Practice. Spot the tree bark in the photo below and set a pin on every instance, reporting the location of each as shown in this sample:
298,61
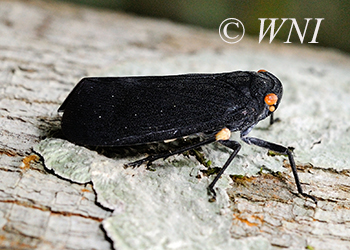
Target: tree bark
46,47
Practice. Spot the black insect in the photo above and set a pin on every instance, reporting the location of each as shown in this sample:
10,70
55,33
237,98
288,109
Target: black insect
122,111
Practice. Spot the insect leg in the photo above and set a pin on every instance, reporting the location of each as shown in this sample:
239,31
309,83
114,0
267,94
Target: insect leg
165,155
283,150
271,119
235,146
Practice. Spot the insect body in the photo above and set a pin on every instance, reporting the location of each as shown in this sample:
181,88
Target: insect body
123,111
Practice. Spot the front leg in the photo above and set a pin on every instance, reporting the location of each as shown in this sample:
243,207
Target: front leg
235,146
282,150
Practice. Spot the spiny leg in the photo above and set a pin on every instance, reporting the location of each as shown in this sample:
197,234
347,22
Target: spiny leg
282,150
222,137
165,155
235,146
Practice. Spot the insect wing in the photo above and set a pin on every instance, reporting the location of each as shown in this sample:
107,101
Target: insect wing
115,111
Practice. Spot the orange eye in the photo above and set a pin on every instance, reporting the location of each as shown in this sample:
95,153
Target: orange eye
262,70
271,99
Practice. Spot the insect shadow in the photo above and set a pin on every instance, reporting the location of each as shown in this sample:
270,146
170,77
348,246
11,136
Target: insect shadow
50,127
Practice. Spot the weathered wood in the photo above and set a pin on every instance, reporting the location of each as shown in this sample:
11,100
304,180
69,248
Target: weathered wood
46,47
